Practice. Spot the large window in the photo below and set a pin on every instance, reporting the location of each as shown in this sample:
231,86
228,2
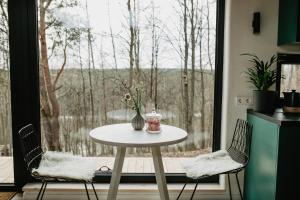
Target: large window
6,160
92,51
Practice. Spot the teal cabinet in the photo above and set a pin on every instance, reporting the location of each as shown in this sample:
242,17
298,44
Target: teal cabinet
289,22
273,169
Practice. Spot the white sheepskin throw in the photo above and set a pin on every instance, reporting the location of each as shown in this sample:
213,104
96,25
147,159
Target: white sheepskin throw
66,165
210,164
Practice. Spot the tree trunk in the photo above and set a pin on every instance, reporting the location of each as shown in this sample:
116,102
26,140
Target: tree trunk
90,80
202,107
136,40
112,37
210,63
208,35
156,80
49,103
193,57
185,70
83,85
152,53
104,105
131,43
202,82
90,62
290,77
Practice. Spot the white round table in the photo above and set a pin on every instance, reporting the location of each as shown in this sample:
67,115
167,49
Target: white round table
123,135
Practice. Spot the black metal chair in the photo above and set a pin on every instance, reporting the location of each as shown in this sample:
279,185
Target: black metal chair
33,155
239,151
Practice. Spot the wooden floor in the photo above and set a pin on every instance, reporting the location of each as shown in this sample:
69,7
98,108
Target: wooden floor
131,165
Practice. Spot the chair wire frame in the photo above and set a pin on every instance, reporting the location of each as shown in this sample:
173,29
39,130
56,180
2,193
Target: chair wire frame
32,153
239,151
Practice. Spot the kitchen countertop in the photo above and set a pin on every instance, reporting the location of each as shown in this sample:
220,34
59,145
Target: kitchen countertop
278,117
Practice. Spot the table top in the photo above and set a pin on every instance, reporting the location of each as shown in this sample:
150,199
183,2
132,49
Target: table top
124,135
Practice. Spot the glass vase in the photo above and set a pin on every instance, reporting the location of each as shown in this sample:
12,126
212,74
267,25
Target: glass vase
138,121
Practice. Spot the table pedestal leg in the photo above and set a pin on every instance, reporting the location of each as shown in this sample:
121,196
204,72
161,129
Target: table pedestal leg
116,174
159,173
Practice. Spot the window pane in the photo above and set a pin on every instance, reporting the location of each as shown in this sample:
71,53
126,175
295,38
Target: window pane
6,161
291,80
92,51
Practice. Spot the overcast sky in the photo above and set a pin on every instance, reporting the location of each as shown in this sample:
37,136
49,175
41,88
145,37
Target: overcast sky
165,11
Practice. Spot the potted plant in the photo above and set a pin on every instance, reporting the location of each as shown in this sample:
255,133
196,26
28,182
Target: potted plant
262,76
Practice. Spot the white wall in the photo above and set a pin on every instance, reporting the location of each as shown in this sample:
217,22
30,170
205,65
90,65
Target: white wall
240,39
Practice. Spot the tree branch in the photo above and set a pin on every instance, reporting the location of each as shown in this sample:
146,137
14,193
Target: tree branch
62,67
3,11
48,4
50,24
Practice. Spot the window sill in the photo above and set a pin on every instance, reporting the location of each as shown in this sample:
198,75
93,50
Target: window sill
126,187
74,191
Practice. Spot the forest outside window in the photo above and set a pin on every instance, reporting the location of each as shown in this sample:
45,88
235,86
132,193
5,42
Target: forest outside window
91,50
6,149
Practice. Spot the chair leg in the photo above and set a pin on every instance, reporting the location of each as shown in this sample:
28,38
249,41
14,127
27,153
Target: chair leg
42,187
194,189
87,193
44,190
181,190
94,191
229,186
238,182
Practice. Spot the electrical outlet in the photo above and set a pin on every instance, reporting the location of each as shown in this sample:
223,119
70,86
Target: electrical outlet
243,101
248,101
239,101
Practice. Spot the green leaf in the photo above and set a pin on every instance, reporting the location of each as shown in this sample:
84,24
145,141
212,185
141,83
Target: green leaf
260,74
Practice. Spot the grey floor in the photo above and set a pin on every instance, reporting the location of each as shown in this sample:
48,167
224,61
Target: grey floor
18,197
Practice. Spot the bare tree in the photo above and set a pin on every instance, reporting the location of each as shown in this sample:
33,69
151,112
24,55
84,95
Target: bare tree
49,104
134,40
131,42
137,41
4,49
185,67
112,37
104,105
209,31
194,31
83,84
154,23
60,39
156,79
202,86
156,75
208,34
5,111
91,64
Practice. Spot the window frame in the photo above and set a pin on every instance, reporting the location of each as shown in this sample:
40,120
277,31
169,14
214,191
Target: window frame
25,102
24,80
